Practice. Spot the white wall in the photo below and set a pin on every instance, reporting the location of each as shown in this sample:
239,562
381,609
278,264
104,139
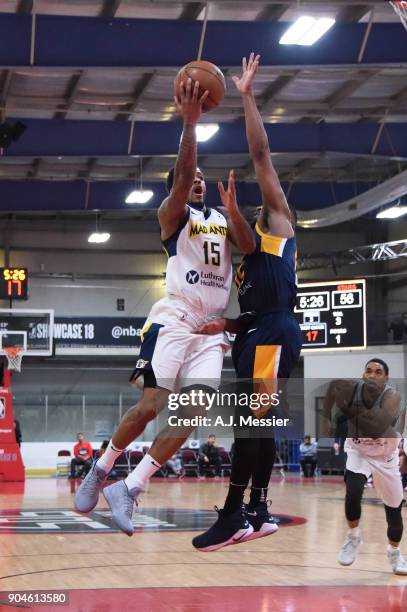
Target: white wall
43,455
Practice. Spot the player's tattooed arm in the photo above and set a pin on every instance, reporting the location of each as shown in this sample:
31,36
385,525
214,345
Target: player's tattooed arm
274,199
173,208
239,231
325,425
381,422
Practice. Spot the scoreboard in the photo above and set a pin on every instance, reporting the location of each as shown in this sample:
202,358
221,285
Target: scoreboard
13,284
332,315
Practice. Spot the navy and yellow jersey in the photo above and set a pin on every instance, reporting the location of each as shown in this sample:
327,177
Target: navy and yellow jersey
266,279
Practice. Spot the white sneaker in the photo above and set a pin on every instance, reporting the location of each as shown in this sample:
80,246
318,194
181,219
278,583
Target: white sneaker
347,554
396,560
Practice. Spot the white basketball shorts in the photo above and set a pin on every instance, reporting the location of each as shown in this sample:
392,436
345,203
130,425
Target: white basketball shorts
177,357
385,472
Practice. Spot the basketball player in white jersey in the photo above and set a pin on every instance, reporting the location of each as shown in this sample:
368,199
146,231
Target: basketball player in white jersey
372,409
199,275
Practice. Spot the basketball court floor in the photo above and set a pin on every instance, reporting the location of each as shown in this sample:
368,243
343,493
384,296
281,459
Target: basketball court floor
47,546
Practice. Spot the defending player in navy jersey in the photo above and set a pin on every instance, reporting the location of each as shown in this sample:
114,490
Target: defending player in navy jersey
268,341
199,275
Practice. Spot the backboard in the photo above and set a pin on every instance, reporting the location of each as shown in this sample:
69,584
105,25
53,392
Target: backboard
33,327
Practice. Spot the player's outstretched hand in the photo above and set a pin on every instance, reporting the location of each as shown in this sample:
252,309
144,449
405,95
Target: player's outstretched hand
249,69
211,327
188,102
229,197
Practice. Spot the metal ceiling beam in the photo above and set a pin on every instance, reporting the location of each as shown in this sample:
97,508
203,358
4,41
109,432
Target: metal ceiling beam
353,12
109,8
90,166
72,90
301,167
191,11
349,87
315,108
35,168
276,88
292,3
24,7
372,253
271,12
139,89
5,86
400,97
346,90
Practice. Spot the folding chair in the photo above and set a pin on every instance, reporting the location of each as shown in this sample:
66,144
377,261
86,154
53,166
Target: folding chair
189,461
64,466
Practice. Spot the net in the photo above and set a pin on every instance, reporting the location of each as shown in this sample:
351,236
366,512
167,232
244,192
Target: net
401,9
14,356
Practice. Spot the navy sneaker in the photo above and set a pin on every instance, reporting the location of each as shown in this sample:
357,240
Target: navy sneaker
261,520
228,529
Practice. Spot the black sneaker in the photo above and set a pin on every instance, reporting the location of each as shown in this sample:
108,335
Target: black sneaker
261,520
228,529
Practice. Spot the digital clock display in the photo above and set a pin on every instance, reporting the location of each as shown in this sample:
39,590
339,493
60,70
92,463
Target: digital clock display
332,315
13,284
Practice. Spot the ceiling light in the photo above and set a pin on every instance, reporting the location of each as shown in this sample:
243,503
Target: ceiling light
99,237
306,31
206,131
139,196
392,213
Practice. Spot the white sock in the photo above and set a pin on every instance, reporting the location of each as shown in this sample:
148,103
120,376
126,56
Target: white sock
354,531
142,473
107,460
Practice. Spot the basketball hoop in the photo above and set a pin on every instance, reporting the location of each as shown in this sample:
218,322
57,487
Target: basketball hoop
400,6
14,356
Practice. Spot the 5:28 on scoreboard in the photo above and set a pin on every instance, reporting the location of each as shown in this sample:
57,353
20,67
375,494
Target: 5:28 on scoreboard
332,315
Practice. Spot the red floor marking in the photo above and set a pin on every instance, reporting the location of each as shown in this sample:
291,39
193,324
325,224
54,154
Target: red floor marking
237,599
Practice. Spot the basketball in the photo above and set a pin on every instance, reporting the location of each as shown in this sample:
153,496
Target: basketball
210,78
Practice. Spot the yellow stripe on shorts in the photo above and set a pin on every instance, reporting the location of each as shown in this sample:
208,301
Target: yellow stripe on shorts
265,371
145,330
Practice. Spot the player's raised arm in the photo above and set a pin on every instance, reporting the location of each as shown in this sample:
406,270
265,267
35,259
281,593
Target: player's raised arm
173,208
269,183
239,231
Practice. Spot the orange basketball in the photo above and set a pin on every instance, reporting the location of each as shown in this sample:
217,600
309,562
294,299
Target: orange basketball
210,78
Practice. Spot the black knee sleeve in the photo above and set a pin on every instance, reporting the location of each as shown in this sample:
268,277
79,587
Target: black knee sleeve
355,484
394,523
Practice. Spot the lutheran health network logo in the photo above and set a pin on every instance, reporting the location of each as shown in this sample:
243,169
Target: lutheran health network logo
208,279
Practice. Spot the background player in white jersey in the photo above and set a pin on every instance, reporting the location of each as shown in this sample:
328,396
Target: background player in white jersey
199,274
372,409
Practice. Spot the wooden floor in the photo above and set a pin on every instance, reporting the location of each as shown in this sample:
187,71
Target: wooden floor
302,555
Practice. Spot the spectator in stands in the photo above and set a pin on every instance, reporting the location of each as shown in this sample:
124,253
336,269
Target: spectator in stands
398,327
209,457
102,448
17,431
83,456
175,464
308,460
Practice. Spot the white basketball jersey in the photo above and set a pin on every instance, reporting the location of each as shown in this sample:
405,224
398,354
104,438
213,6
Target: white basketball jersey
199,269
